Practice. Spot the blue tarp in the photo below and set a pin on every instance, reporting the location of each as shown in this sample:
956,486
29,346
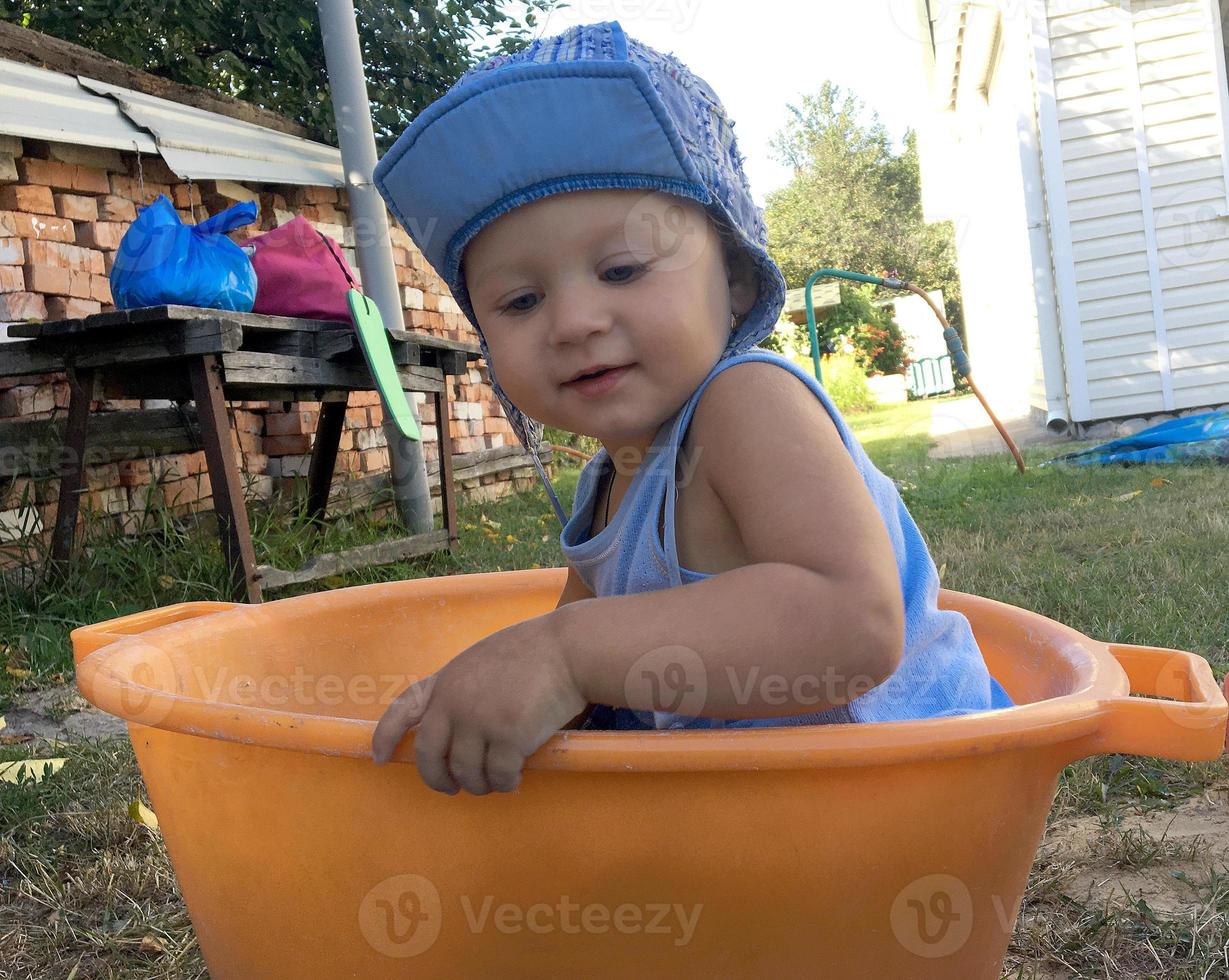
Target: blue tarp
1194,438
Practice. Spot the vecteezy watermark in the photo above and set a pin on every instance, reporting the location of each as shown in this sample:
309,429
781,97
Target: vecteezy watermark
661,230
933,916
154,679
670,678
402,916
43,458
147,694
421,228
303,689
832,687
1190,225
679,14
629,460
674,679
909,18
920,23
671,919
1173,686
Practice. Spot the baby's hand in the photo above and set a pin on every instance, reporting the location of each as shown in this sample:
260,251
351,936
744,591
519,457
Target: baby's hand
487,710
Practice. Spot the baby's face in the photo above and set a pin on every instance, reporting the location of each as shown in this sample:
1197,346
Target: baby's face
601,277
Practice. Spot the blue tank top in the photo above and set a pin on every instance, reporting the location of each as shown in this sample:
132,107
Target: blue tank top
941,670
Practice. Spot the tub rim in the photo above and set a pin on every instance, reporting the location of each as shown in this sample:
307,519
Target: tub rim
1089,719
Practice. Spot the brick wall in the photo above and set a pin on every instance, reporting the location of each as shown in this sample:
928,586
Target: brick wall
63,211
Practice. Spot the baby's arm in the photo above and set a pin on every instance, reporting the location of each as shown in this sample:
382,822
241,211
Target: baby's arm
574,589
814,620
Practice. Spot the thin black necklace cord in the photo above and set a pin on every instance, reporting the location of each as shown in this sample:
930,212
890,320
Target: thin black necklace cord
609,494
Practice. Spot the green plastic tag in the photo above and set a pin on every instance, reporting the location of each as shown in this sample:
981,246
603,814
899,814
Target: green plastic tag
373,338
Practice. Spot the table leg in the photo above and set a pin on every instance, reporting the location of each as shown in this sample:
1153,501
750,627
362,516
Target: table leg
448,501
72,464
228,505
324,458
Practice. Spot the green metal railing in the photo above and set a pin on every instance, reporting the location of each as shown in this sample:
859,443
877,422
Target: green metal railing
960,360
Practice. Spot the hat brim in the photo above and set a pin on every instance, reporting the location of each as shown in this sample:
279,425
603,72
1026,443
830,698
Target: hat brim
523,133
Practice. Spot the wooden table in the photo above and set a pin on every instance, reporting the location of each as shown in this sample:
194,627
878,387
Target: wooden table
208,356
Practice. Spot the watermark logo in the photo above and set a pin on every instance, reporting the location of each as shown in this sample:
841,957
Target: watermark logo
670,679
401,916
752,684
420,228
909,19
145,697
304,690
1192,224
574,918
629,460
661,230
1173,687
933,916
678,15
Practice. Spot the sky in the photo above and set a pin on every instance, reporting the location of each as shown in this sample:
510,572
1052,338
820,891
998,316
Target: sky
761,55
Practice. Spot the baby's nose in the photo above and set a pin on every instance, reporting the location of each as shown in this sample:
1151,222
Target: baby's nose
577,314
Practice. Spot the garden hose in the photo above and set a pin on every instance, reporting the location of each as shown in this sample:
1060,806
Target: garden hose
960,359
568,450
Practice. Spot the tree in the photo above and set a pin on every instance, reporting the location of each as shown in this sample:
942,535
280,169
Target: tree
854,203
271,53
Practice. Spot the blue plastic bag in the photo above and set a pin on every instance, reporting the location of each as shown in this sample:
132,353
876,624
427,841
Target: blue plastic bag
1195,438
161,261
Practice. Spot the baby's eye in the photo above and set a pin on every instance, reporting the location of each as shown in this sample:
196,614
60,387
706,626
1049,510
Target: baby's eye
619,273
512,306
625,272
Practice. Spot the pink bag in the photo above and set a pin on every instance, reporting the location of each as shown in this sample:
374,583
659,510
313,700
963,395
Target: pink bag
300,272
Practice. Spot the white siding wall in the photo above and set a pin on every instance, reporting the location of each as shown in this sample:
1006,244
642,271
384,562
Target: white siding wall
1135,89
972,175
1179,50
1115,337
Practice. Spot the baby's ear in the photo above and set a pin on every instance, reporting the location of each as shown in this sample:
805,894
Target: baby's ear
744,279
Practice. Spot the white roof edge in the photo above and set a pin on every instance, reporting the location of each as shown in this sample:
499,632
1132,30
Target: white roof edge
48,105
41,104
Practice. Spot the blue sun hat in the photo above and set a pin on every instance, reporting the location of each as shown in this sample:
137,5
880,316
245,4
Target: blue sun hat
588,108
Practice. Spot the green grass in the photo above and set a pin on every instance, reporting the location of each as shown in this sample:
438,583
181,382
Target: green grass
1147,570
896,436
88,892
181,561
1058,540
88,889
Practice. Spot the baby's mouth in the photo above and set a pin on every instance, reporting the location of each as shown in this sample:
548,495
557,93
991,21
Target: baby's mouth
596,374
598,384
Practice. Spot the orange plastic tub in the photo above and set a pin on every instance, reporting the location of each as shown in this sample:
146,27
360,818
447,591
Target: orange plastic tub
896,850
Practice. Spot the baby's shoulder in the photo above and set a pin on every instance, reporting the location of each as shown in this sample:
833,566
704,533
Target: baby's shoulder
757,398
758,414
765,444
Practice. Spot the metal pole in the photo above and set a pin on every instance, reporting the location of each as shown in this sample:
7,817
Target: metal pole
352,113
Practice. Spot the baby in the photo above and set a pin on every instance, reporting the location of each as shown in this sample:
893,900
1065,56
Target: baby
734,558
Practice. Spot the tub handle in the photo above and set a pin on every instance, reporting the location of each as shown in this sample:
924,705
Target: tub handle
1189,728
87,639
